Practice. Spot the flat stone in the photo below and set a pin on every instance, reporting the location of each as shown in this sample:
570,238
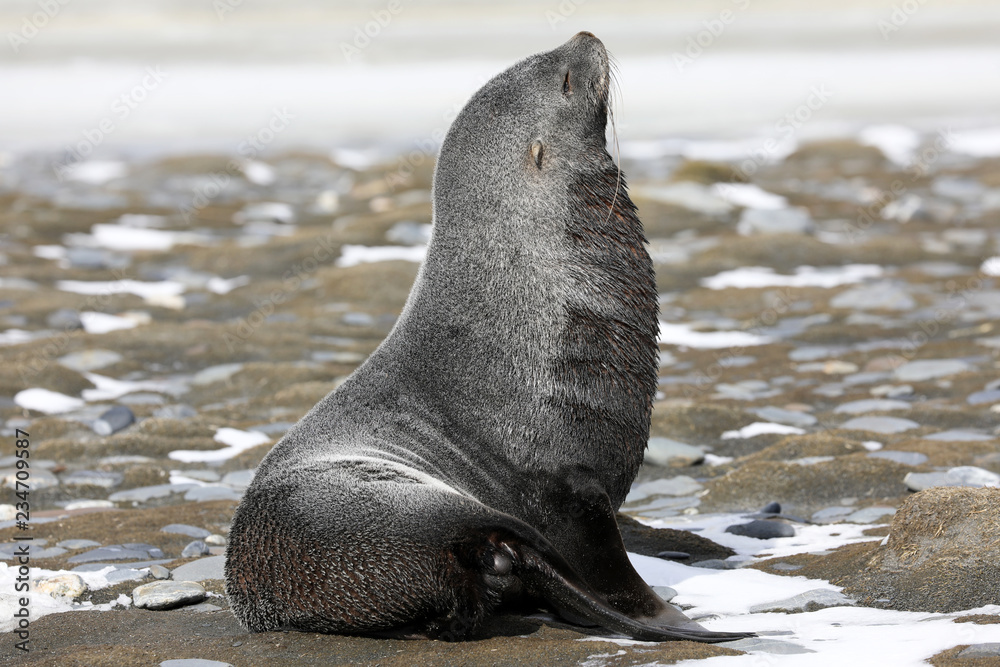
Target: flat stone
666,593
870,514
876,296
678,486
880,424
239,479
194,662
929,369
195,549
961,476
689,195
763,645
179,411
783,416
666,452
78,544
63,585
211,492
871,405
113,420
144,493
762,222
991,650
125,574
40,479
114,552
906,458
215,374
89,360
818,598
216,540
212,567
184,529
831,514
159,572
958,435
762,529
162,595
100,478
65,319
980,397
891,390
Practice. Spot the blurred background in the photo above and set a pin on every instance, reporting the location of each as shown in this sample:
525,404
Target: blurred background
386,74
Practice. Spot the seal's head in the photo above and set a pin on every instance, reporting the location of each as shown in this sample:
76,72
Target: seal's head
536,125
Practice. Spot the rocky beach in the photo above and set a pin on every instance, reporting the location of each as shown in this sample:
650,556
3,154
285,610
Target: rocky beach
824,454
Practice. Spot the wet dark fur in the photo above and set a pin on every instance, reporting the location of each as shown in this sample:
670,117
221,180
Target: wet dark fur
476,460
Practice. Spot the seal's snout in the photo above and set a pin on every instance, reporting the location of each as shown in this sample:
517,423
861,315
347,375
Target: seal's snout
588,57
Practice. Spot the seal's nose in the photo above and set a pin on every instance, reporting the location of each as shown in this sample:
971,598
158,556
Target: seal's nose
584,34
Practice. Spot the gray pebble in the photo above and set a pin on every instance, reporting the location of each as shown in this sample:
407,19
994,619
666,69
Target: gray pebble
980,397
159,572
666,593
831,514
194,549
764,645
211,492
179,411
877,296
666,452
78,544
355,319
162,595
782,416
958,435
115,552
871,405
818,598
960,476
870,514
716,564
212,567
89,360
762,529
103,479
65,319
880,424
215,374
125,574
757,222
771,508
991,650
929,369
239,479
184,529
906,458
216,541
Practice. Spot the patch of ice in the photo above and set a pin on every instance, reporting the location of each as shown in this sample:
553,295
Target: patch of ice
352,255
897,142
98,323
749,195
984,142
991,267
259,173
359,159
49,402
146,290
760,428
225,286
95,172
19,336
126,238
685,335
108,389
236,441
804,276
49,251
43,605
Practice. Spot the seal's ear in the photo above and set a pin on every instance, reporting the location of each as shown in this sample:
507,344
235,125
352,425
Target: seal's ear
536,152
567,87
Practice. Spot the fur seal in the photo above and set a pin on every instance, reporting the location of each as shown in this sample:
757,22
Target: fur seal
475,461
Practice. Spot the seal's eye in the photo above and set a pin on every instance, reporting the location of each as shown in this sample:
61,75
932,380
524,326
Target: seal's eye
567,87
536,152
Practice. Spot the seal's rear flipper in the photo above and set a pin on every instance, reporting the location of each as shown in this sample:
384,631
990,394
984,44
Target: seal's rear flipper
548,576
